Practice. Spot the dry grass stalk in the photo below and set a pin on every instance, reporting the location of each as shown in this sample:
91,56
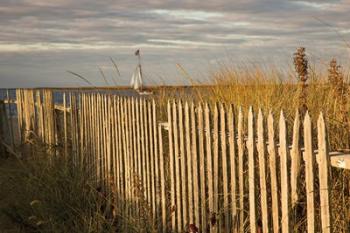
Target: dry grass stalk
336,80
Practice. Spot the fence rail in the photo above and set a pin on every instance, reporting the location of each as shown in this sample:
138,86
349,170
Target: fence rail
203,169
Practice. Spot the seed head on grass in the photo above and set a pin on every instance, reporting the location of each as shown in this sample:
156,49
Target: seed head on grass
301,64
335,76
301,67
339,90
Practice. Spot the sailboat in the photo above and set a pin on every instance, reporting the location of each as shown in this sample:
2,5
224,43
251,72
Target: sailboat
136,79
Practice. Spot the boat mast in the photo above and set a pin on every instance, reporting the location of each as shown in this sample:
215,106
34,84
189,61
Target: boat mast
139,60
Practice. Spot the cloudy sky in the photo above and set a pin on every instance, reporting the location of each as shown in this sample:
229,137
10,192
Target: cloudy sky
40,40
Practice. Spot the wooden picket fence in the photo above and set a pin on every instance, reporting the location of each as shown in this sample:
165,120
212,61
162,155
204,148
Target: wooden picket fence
206,168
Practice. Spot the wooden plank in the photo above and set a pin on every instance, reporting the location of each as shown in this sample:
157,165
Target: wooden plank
202,170
98,134
309,174
241,160
120,152
91,134
162,181
72,126
39,111
195,164
125,150
262,172
147,154
65,124
210,174
152,159
285,202
108,156
82,127
156,165
251,171
11,120
138,147
143,149
114,150
131,156
189,165
19,114
273,173
104,143
215,211
340,160
323,169
171,167
138,140
136,158
128,154
116,154
183,165
94,139
233,169
295,161
177,168
225,180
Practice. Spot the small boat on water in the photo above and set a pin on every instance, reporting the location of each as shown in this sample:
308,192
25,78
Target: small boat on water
137,79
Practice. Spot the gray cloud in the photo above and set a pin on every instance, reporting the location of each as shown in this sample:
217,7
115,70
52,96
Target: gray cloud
40,40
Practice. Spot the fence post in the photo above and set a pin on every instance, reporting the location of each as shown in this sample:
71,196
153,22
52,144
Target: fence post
171,166
233,172
224,166
262,172
183,166
177,168
323,168
213,227
284,174
202,170
195,167
273,173
251,171
162,180
189,164
241,160
295,160
309,174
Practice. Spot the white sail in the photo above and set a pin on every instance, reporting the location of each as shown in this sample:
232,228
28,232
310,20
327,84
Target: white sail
136,79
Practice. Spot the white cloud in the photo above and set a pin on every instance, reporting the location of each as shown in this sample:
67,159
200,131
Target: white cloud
187,14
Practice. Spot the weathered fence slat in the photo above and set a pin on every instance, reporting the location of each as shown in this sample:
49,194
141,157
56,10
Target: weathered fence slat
323,169
240,145
194,134
162,180
189,164
225,179
171,166
202,170
285,221
309,158
177,168
262,172
273,173
152,157
183,161
215,214
295,161
213,227
251,171
233,172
